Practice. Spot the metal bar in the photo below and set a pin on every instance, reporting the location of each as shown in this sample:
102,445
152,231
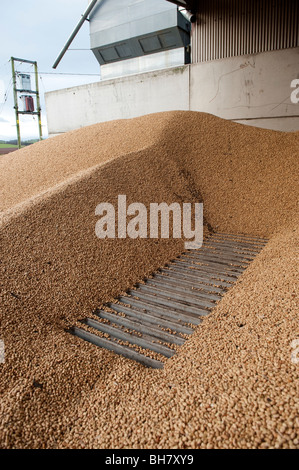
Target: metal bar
205,268
218,254
218,258
152,307
196,277
243,243
228,246
29,92
237,244
229,275
16,100
234,246
38,102
215,247
241,237
153,317
29,112
23,60
75,32
191,299
117,348
254,242
212,263
173,290
177,286
185,307
130,338
177,279
141,327
201,274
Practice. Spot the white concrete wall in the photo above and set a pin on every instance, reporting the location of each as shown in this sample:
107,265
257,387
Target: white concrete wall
120,98
253,89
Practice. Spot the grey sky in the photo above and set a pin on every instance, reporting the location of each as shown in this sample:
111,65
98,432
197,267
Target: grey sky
37,30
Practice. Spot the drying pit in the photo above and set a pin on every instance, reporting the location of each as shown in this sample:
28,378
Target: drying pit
233,383
159,315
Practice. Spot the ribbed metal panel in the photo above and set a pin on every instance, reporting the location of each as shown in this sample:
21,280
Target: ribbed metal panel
227,28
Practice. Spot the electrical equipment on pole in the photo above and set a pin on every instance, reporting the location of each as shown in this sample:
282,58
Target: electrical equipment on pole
28,96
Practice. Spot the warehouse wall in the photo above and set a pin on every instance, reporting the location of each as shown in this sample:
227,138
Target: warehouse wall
253,89
119,98
236,27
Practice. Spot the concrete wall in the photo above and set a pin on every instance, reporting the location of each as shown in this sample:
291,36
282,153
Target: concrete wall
119,98
253,89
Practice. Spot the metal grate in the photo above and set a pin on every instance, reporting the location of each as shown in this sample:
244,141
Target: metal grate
159,315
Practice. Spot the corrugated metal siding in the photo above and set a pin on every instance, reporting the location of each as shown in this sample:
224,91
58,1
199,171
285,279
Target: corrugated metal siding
227,28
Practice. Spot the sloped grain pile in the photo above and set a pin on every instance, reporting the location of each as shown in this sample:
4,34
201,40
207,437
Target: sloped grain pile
233,384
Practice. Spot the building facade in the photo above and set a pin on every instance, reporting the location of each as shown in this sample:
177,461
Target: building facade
237,59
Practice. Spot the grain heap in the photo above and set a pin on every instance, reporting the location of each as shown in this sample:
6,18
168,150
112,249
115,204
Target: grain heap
233,384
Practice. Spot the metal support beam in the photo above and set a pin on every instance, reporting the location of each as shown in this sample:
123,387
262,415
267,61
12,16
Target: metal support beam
15,93
38,101
75,32
34,113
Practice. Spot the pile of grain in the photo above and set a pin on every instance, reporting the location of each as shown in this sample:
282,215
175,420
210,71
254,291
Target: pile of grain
233,384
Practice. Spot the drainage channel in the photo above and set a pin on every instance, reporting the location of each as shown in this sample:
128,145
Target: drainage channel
153,319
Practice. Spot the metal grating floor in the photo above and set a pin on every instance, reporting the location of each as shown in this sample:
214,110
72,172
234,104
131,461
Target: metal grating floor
159,315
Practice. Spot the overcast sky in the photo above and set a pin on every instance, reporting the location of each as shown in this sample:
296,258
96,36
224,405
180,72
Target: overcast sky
37,30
